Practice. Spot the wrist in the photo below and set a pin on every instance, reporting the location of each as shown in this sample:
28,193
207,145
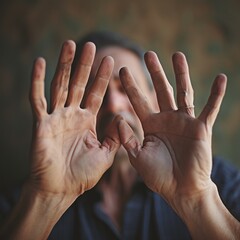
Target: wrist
47,202
189,205
35,214
206,216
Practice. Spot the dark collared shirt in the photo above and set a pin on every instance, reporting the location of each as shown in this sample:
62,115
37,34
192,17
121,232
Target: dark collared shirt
146,215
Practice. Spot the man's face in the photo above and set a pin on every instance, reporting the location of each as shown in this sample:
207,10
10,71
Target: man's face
115,100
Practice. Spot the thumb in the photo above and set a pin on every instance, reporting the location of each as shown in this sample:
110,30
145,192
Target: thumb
129,140
112,139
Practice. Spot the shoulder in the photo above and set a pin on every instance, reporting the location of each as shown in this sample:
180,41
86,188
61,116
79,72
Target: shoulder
8,198
227,178
223,171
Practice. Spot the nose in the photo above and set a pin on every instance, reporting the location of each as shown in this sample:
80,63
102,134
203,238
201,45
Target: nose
116,101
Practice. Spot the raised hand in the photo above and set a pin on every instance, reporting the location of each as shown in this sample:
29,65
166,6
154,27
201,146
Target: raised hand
67,158
175,159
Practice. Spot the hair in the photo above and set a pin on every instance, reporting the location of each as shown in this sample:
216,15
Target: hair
104,39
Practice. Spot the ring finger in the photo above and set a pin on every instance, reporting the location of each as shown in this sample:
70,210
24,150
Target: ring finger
183,83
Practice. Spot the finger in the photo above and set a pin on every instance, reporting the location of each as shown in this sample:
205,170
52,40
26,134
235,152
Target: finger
81,75
129,140
136,97
36,95
111,142
59,86
183,82
163,88
211,109
96,94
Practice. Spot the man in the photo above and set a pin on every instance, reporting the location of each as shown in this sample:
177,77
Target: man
174,160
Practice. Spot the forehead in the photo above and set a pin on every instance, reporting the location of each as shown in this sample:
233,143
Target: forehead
122,58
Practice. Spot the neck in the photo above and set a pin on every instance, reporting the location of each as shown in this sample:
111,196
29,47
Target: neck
116,189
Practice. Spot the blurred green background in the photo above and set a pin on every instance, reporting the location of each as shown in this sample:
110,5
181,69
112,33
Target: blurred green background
207,31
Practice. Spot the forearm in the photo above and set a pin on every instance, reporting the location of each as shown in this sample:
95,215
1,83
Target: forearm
207,218
34,216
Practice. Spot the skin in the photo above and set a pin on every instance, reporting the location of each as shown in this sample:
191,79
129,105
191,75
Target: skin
68,159
177,148
116,101
116,188
65,142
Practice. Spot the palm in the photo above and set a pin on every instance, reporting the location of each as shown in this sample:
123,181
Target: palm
66,156
176,139
65,141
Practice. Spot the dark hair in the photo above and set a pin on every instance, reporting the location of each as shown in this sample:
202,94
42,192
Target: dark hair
105,39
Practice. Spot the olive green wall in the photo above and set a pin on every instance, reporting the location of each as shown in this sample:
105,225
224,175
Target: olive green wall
206,30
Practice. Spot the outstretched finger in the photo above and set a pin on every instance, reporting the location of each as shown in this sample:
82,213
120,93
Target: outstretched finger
36,95
96,94
211,109
59,85
163,88
183,82
81,75
135,95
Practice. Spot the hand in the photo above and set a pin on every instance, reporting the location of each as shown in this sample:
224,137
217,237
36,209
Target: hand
175,159
67,158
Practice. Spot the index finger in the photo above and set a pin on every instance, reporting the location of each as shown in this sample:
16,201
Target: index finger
135,95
